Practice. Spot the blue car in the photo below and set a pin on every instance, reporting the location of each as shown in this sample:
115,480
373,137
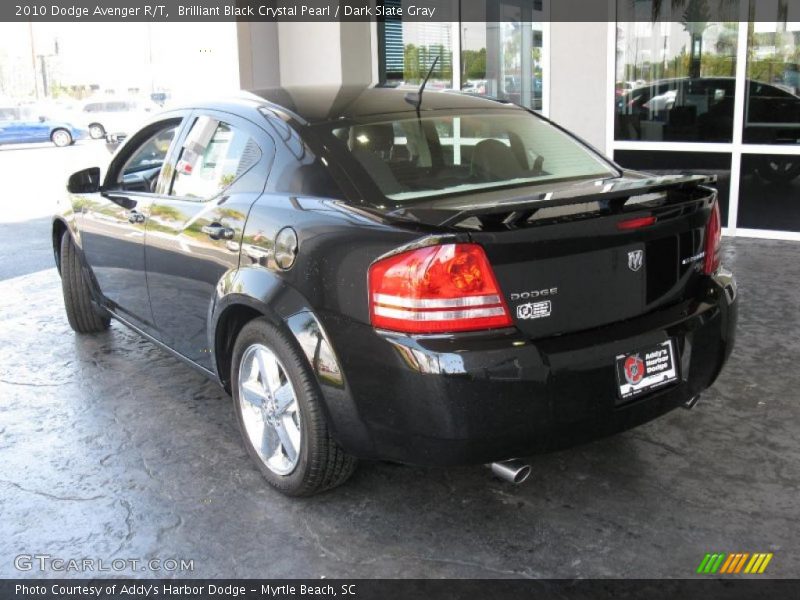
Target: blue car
20,125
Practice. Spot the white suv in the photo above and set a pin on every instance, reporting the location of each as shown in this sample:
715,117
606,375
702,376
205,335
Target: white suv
115,116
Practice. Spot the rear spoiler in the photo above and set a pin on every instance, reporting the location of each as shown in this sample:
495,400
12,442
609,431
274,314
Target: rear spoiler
614,192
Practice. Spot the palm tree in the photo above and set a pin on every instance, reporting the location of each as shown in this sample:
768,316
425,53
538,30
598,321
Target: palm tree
695,19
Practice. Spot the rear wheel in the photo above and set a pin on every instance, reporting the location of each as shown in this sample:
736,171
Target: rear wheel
280,415
96,131
82,315
61,138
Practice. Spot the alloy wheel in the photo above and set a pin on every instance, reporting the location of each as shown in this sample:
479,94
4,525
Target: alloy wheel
269,408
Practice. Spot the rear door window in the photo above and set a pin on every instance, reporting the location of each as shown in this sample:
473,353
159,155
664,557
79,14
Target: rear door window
214,155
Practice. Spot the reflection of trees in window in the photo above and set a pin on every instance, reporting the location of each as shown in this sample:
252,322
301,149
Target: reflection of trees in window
774,56
417,61
700,59
474,62
512,51
708,50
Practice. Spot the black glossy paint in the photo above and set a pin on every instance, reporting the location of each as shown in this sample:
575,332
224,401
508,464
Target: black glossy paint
439,399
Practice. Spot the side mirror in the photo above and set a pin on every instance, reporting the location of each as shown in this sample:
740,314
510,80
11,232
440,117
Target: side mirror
86,181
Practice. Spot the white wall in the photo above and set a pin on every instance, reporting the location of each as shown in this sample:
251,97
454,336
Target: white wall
259,65
272,54
578,79
310,53
335,53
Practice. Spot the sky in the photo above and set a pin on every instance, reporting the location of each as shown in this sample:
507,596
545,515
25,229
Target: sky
184,58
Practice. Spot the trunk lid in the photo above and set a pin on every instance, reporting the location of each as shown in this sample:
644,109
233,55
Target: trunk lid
564,263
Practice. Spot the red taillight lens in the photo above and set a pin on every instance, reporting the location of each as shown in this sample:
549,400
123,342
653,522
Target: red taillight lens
436,289
713,239
636,223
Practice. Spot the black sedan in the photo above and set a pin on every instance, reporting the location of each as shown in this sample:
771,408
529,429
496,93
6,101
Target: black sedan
375,273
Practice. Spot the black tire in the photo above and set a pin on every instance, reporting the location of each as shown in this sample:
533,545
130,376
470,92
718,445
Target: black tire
321,463
82,315
97,131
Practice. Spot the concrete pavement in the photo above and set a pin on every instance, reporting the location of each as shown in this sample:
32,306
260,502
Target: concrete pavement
112,449
34,176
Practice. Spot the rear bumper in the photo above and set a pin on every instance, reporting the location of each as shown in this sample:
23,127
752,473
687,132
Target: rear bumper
472,398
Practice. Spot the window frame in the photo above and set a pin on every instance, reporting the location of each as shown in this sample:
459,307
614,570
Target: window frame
736,148
256,133
378,34
111,182
369,193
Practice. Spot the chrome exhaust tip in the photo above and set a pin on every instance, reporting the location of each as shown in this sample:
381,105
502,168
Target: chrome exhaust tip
513,470
689,404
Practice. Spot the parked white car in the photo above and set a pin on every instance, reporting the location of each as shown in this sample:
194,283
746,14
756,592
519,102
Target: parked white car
115,116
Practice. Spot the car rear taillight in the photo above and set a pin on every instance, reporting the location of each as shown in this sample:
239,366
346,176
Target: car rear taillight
713,239
436,289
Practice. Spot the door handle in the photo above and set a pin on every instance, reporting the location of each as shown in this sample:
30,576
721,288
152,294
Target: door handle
218,232
135,217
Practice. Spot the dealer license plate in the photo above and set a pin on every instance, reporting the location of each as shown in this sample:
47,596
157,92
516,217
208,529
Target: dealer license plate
646,370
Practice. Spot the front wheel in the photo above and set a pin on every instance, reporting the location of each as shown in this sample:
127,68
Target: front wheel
61,138
280,414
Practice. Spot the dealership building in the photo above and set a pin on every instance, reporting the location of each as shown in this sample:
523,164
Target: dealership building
689,85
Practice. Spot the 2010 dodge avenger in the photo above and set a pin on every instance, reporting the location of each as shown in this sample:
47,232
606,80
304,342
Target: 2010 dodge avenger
374,273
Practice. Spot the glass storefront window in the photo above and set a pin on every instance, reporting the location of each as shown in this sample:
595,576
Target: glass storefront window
769,192
503,59
668,163
501,55
772,105
409,49
675,74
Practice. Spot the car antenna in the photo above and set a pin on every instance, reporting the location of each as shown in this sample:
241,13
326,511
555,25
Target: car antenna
415,98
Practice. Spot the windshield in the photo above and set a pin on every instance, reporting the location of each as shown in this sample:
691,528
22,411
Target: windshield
413,158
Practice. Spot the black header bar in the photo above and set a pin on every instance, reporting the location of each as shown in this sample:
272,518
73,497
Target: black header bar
405,589
382,10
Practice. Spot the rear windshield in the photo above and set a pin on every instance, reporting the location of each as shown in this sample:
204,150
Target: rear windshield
412,158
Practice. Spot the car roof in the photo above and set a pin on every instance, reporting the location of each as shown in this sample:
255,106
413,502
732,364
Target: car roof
309,105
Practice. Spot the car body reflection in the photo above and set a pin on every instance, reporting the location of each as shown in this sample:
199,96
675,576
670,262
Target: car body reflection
701,109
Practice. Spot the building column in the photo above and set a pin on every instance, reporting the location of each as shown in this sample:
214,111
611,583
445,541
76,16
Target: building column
259,65
579,79
305,53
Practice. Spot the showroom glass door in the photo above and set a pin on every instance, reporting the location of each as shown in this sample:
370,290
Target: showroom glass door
714,87
502,55
408,49
769,186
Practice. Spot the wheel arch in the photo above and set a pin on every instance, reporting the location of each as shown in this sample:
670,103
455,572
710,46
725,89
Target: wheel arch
248,294
59,128
59,229
255,292
230,322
